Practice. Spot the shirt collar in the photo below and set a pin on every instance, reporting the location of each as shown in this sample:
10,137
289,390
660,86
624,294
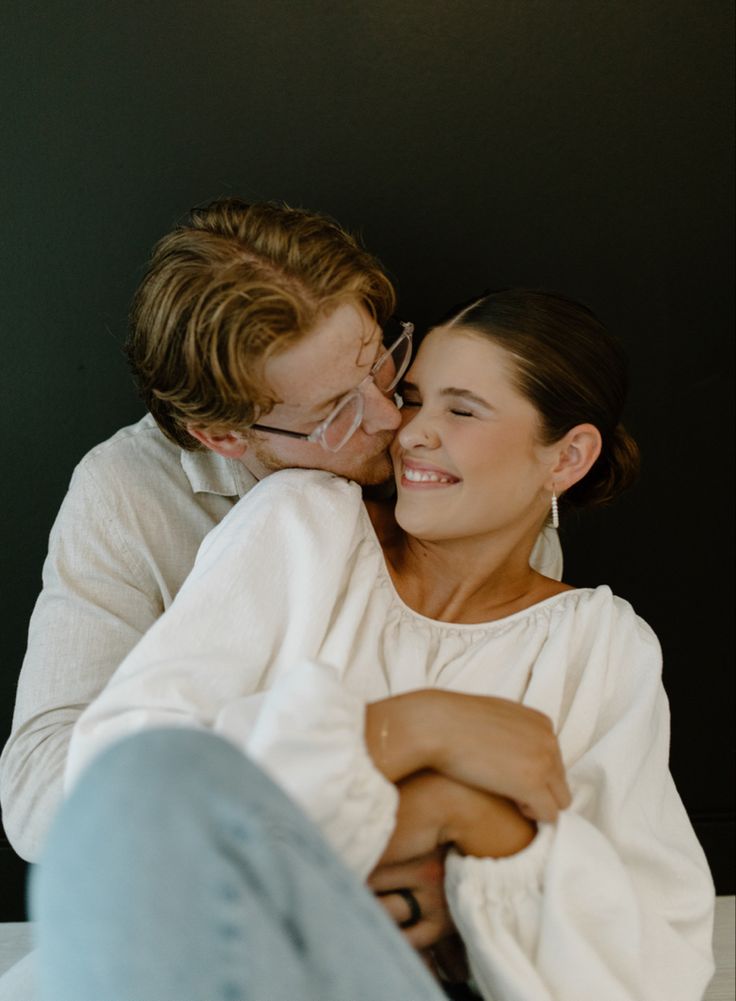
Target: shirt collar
209,473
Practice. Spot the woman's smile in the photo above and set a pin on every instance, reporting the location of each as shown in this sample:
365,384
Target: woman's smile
417,474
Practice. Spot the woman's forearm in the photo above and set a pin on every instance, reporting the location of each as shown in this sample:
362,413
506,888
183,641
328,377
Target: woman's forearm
397,736
493,744
437,811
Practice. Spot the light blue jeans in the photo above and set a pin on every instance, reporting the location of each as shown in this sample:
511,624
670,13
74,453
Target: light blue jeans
177,871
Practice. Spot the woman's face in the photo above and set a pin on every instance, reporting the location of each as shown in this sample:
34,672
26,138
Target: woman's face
467,459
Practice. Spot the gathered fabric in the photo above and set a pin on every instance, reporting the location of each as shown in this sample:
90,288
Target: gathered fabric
289,625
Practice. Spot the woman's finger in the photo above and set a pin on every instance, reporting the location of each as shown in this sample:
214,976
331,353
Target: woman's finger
543,806
560,791
426,934
426,871
430,928
395,906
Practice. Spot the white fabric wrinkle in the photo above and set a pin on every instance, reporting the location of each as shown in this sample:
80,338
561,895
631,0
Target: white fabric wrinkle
538,925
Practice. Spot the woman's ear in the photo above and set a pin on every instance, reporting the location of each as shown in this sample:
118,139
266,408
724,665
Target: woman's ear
577,452
229,444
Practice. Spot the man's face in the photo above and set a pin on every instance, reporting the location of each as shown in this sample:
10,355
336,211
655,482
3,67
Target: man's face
309,378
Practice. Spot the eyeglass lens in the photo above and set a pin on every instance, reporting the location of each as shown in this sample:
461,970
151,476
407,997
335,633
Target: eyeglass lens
344,422
391,367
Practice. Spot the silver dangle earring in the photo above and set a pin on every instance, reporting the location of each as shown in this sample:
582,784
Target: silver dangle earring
555,512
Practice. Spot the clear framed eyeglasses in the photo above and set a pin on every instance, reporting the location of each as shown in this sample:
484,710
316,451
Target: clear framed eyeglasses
346,416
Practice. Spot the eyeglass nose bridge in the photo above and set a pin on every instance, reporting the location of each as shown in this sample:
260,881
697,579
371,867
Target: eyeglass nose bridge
358,394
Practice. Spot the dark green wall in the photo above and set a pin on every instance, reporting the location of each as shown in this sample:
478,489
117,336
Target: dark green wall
580,145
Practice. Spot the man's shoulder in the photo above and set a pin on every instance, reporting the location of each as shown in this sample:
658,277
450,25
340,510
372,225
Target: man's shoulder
137,468
138,443
140,456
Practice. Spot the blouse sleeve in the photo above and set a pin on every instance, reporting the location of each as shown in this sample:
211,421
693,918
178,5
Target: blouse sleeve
306,732
614,901
237,653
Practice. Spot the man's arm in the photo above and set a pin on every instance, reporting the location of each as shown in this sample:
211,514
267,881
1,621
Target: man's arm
124,540
94,606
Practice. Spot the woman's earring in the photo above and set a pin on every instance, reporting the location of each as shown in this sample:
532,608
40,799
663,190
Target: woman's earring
555,512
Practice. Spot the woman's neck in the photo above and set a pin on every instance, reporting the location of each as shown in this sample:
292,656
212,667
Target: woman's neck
462,580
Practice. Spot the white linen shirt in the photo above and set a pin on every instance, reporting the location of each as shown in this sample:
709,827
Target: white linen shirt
289,624
124,539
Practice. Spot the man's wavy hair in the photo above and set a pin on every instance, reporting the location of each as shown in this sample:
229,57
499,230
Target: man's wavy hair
223,292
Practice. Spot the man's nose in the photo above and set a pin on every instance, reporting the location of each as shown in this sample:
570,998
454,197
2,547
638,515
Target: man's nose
380,412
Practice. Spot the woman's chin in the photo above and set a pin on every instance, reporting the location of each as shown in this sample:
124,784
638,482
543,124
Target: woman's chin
415,522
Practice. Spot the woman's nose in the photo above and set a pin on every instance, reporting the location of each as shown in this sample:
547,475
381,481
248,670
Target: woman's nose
417,430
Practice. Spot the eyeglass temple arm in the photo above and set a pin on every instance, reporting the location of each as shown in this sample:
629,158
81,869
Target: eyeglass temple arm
283,431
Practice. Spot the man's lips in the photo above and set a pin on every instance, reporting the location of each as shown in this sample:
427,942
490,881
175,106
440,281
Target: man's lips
424,474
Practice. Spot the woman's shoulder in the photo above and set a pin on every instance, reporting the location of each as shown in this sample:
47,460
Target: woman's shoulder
300,491
291,506
303,483
600,602
605,627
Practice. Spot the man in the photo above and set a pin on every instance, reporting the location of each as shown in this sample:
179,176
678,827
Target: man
236,285
258,338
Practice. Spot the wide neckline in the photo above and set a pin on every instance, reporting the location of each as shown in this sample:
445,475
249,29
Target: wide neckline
464,626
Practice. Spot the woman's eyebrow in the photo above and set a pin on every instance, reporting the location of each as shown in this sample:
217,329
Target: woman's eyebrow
465,394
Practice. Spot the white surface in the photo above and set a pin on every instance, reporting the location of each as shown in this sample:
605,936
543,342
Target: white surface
15,942
722,985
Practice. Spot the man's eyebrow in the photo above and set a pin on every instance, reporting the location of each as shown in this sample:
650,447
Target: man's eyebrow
326,405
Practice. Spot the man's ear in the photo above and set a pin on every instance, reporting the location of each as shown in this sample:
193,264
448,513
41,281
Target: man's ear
229,444
578,450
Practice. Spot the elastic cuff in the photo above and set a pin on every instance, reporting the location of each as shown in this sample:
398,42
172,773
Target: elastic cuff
501,878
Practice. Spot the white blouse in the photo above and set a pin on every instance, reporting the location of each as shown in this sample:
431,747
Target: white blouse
289,624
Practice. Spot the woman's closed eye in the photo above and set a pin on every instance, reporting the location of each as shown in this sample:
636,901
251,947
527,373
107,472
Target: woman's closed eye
415,402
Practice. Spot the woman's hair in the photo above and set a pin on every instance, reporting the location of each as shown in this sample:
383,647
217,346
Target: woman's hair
571,370
223,292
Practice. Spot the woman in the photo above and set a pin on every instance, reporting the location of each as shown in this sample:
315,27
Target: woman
336,665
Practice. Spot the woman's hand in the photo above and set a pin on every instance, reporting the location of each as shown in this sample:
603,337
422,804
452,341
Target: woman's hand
436,811
493,744
425,877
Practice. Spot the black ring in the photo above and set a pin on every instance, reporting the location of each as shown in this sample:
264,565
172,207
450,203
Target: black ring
415,911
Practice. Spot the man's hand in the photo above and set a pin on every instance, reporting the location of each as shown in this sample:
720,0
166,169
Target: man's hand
492,744
424,876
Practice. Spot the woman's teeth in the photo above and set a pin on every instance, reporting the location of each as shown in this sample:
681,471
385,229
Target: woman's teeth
422,476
